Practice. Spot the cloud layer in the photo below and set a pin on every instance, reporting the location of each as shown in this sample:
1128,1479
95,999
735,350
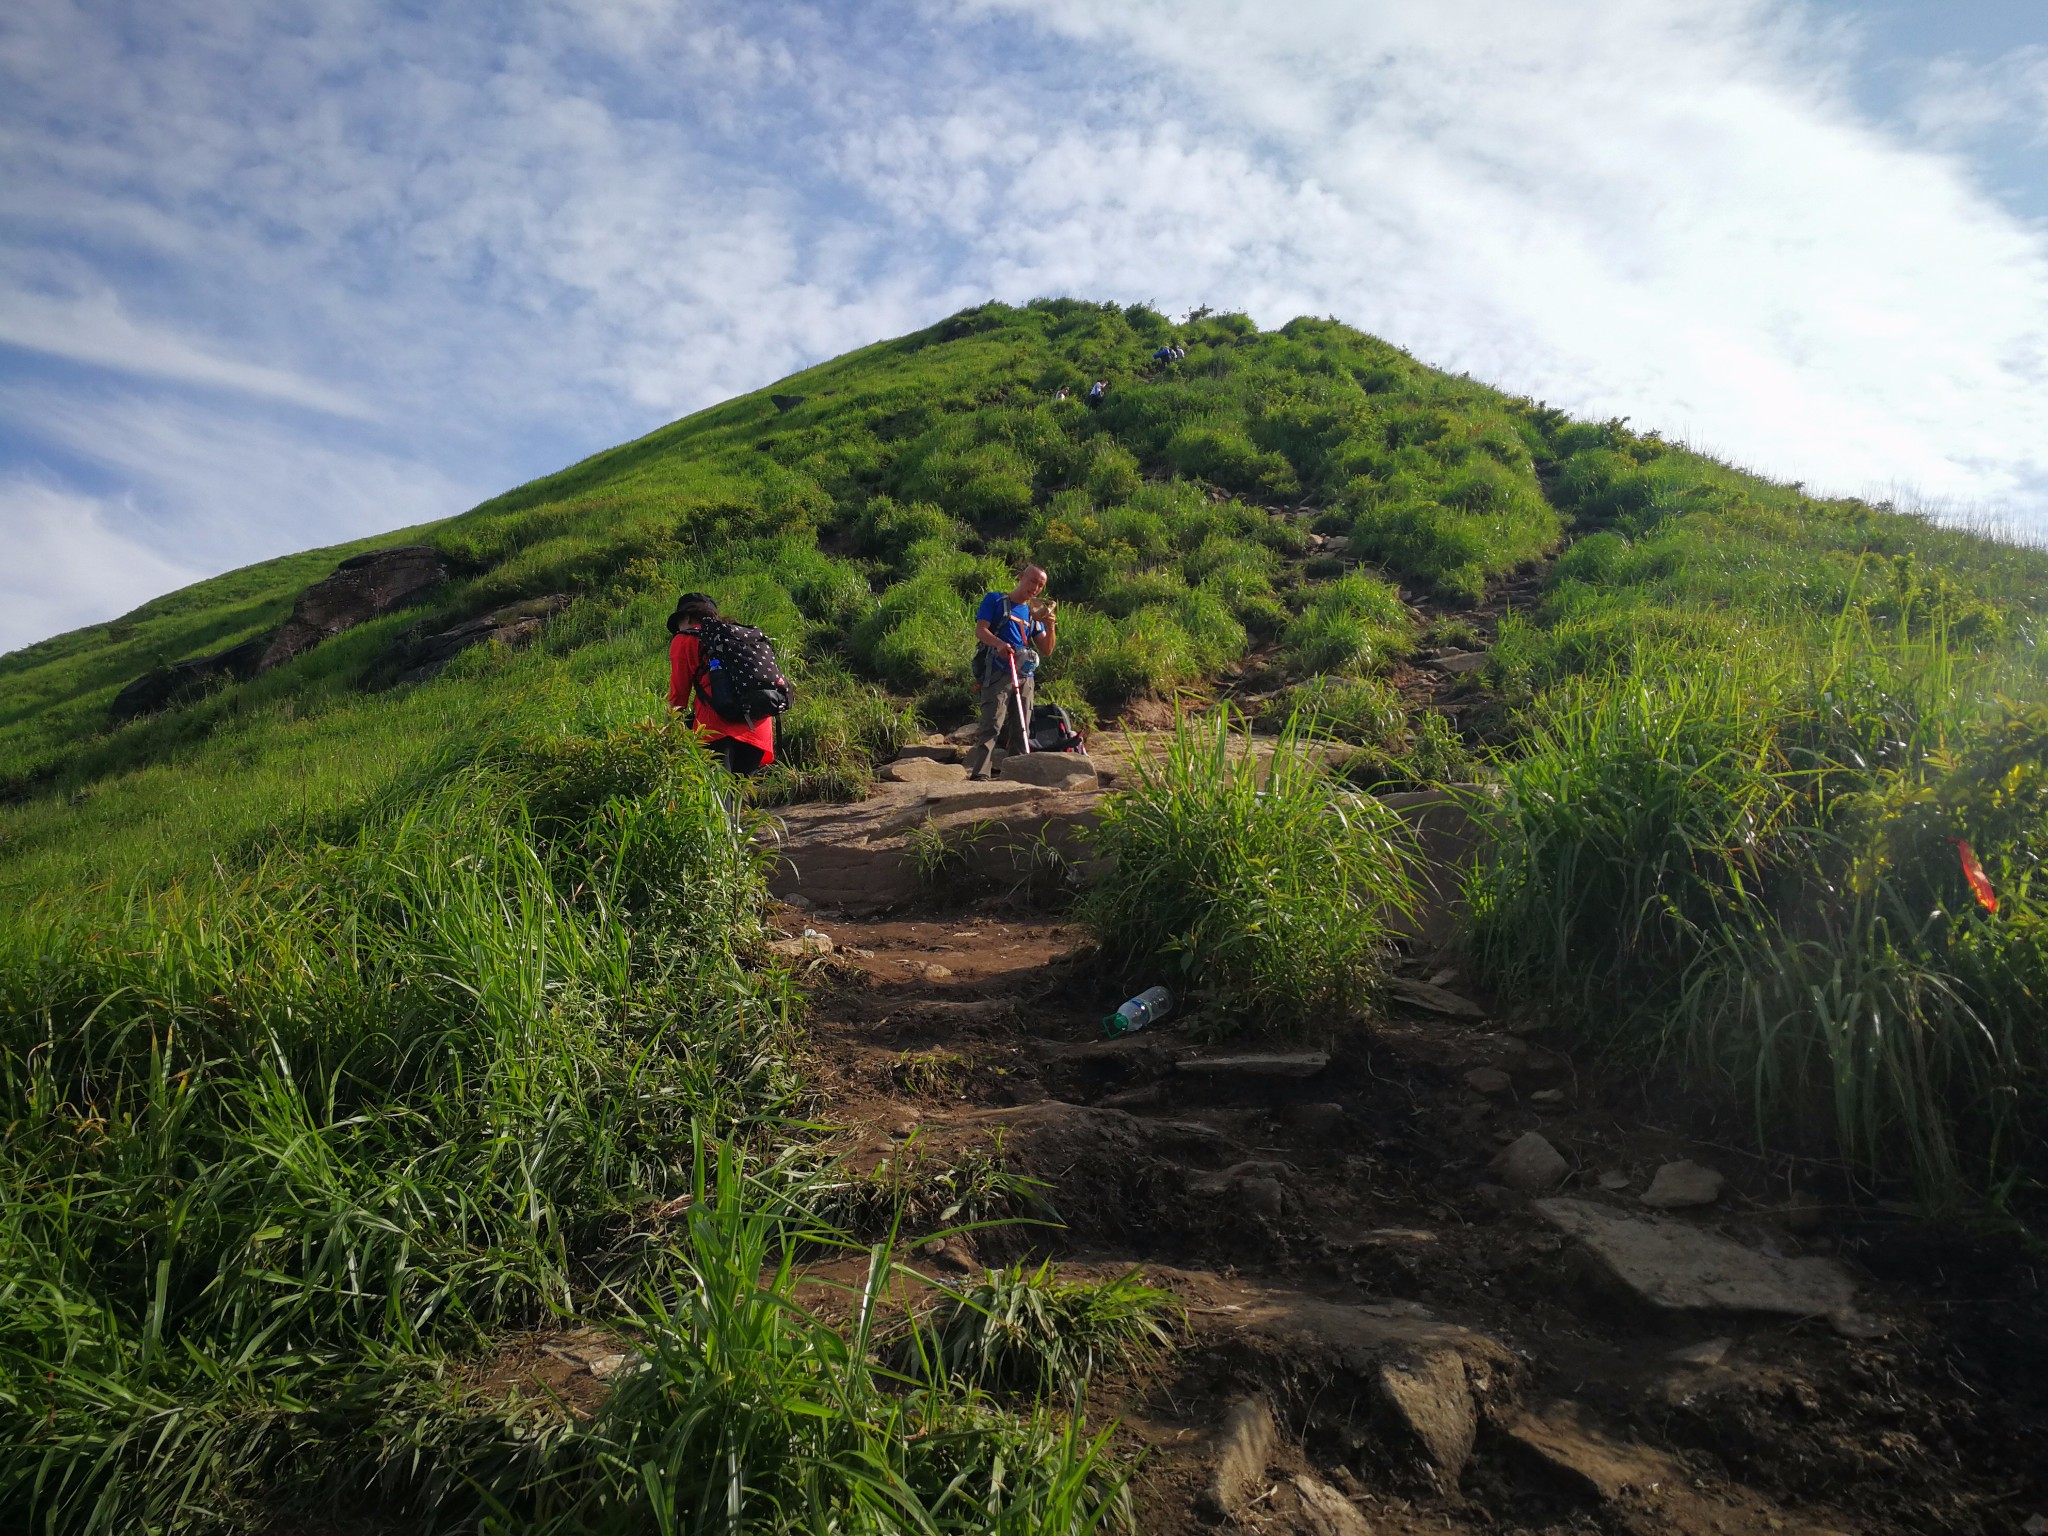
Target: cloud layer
275,276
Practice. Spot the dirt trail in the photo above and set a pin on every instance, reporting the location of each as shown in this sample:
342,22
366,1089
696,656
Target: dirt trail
1437,1352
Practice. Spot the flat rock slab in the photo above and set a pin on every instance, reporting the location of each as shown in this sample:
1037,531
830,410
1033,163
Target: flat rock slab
1244,1444
1457,662
1420,994
1678,1268
1287,1064
1683,1183
923,770
1054,770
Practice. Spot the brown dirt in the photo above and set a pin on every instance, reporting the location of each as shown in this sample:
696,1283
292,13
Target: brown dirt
1368,1185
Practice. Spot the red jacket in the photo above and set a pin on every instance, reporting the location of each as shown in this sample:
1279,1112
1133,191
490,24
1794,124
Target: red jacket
685,675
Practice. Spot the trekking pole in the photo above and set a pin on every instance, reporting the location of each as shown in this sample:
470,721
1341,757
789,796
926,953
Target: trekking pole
1017,693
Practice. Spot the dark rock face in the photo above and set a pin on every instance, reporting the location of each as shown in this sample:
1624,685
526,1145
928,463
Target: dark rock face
417,660
184,681
362,588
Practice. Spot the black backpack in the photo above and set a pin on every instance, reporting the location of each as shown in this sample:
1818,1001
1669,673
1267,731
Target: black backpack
740,676
1052,730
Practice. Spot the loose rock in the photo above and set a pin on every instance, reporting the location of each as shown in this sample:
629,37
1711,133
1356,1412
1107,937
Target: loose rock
1532,1165
1458,661
1316,1120
1683,1183
1614,1179
1678,1268
1488,1080
1326,1511
1244,1444
809,943
1420,994
1429,1396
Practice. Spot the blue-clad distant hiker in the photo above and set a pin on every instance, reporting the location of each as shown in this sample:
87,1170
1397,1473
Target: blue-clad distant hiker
1014,631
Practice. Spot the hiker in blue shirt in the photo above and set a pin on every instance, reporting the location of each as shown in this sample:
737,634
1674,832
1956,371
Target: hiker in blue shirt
1011,627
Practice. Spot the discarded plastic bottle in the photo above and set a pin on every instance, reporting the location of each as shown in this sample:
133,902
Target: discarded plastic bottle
1148,1007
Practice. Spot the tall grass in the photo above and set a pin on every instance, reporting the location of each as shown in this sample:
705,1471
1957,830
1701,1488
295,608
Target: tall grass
1750,868
1268,892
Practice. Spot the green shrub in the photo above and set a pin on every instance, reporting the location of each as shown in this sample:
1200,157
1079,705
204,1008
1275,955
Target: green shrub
1354,624
1270,902
1021,1329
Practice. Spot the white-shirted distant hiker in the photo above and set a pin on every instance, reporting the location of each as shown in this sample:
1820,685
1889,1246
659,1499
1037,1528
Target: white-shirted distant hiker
1011,628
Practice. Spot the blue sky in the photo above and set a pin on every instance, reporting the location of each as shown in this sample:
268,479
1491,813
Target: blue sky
279,275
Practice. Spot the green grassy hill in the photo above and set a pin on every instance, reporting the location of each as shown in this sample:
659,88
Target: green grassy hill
349,1024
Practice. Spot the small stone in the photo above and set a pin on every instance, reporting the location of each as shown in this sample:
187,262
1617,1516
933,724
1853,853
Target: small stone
608,1365
1488,1080
1614,1179
1708,1352
798,900
806,945
2037,1525
1532,1165
1458,661
1547,1096
937,972
1683,1183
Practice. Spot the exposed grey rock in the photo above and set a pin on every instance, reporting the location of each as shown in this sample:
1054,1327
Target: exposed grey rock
785,402
1532,1165
1614,1179
362,588
937,749
1420,994
805,945
1053,770
1488,1080
1259,1064
1681,1184
1706,1352
1326,1511
514,624
923,770
184,681
1455,662
1678,1268
1428,1394
1547,1096
1244,1444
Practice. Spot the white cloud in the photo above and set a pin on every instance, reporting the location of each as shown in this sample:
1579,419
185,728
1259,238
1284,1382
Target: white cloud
1959,98
66,564
504,240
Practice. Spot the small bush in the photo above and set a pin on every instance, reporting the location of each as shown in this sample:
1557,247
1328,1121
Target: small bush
1271,901
1354,625
1027,1330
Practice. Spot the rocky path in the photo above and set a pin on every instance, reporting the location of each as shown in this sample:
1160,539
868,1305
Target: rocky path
1438,1276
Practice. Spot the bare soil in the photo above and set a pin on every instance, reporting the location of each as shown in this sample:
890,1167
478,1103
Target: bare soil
1368,1185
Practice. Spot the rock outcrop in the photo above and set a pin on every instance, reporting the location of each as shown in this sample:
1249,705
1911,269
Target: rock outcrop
416,661
363,587
184,681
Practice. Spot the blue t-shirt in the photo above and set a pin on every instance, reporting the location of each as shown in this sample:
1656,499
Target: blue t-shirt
1013,624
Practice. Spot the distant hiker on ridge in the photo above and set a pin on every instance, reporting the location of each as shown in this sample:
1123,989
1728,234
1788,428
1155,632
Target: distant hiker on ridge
1013,632
726,676
1097,390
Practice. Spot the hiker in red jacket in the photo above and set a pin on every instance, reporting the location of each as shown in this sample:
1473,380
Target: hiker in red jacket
744,749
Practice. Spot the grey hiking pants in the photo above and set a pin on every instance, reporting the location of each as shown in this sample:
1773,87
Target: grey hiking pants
999,716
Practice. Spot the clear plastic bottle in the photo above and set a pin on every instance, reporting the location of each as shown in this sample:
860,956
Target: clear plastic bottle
1148,1007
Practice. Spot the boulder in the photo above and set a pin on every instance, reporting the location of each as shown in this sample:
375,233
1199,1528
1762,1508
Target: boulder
362,588
1532,1165
1678,1269
416,661
1682,1184
184,681
936,748
1052,770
